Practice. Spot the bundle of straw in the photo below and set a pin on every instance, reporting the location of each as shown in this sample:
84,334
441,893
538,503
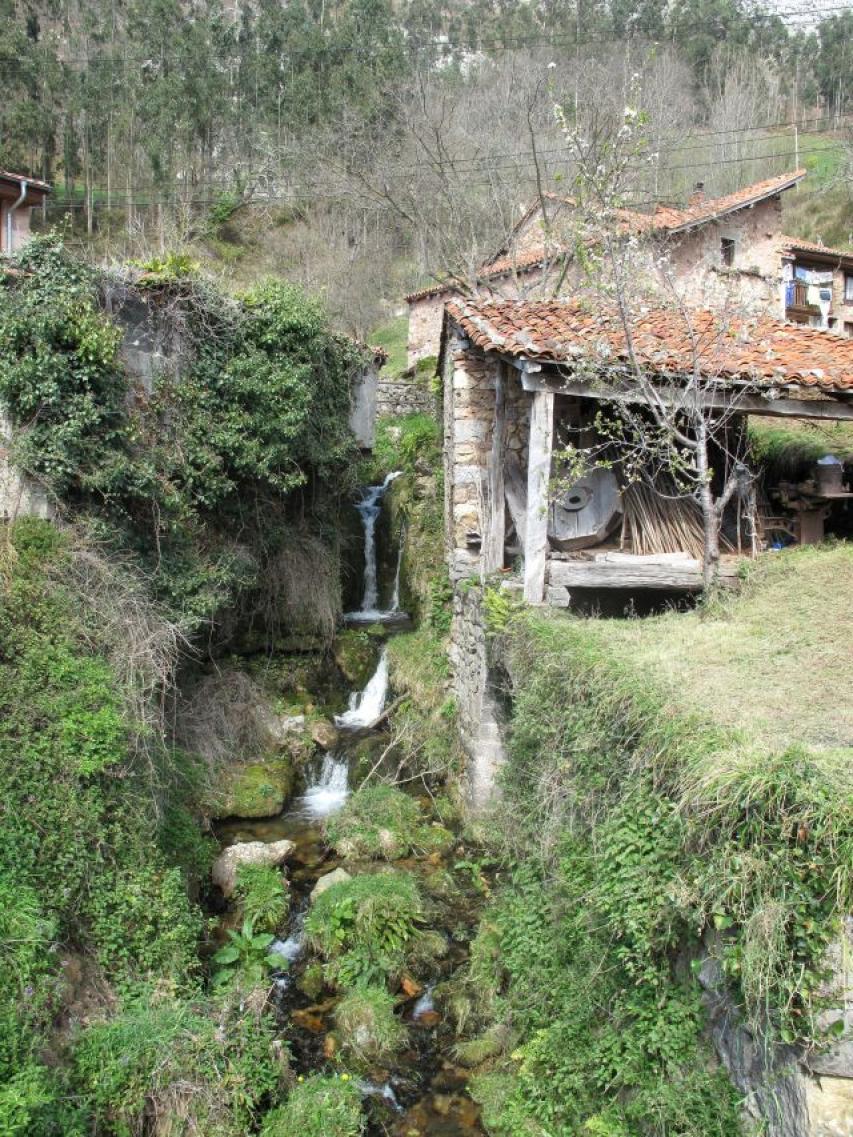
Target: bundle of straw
657,524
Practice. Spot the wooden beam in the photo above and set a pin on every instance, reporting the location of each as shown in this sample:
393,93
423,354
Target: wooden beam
494,523
538,477
667,571
836,410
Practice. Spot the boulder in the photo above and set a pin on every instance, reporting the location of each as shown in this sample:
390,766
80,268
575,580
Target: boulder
328,881
225,866
356,655
325,734
254,789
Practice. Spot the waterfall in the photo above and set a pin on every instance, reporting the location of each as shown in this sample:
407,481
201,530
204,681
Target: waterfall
292,948
425,1005
326,792
395,596
369,508
365,707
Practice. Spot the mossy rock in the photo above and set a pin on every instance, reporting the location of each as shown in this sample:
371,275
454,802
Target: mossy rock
311,982
364,754
356,654
381,822
321,1106
255,789
369,1031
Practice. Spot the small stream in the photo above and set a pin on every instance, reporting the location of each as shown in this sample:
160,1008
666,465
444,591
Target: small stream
423,1093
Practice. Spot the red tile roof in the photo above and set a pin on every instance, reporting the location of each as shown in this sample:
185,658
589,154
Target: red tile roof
764,350
33,183
665,219
704,211
798,245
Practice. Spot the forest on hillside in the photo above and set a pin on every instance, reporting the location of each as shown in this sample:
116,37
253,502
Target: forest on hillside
389,142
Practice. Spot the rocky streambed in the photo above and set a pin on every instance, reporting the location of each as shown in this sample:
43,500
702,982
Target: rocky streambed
366,973
412,1084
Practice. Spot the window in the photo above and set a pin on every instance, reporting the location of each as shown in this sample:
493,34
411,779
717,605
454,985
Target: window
848,287
727,251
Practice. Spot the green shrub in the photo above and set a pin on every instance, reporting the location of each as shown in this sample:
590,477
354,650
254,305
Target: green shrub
169,1058
407,442
263,896
381,822
365,926
261,407
320,1106
245,959
368,1030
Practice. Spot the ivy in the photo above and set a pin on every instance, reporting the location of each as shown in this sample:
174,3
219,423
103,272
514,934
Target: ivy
257,414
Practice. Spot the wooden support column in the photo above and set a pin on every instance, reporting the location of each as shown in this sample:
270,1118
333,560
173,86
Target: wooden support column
494,533
538,477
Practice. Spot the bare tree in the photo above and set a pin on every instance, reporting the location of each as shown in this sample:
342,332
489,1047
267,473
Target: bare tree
668,434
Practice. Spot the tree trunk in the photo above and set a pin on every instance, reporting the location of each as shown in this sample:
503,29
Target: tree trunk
710,515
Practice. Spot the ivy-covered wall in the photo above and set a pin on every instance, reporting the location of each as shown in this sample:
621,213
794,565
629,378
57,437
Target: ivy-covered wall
237,448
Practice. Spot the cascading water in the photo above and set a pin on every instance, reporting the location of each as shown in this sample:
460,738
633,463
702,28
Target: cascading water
366,706
425,1004
326,792
369,508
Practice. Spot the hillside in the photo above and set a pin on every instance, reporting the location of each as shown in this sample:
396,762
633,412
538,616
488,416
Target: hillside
678,799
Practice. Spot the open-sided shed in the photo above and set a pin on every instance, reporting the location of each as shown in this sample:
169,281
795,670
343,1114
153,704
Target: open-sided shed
516,372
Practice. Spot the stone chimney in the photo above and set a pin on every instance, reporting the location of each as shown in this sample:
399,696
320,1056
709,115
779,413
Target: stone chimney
698,195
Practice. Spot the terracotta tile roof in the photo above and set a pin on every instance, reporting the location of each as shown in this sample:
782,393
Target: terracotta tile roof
676,220
34,183
503,266
763,350
665,219
798,245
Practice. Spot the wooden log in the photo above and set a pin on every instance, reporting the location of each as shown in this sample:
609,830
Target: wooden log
538,477
676,571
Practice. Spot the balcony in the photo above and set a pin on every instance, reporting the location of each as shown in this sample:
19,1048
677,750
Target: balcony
797,306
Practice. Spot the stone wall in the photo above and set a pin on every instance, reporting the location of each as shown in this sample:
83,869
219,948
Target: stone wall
753,282
363,406
470,381
403,396
19,495
479,716
786,1093
426,316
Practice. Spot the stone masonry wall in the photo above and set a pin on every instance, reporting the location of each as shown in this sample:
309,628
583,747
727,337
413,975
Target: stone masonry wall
470,401
425,320
401,396
479,716
19,495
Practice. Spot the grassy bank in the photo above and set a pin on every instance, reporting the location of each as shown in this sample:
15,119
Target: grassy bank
678,789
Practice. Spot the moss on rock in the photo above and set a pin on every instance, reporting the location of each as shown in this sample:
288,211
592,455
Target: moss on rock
368,1030
254,789
381,822
356,654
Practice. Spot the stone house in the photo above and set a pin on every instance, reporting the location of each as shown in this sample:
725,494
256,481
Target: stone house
818,285
716,252
520,375
19,195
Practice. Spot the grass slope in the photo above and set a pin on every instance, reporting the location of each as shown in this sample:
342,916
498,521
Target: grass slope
770,662
677,789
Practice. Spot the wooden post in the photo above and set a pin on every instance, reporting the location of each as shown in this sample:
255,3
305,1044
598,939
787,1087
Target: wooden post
495,520
538,477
